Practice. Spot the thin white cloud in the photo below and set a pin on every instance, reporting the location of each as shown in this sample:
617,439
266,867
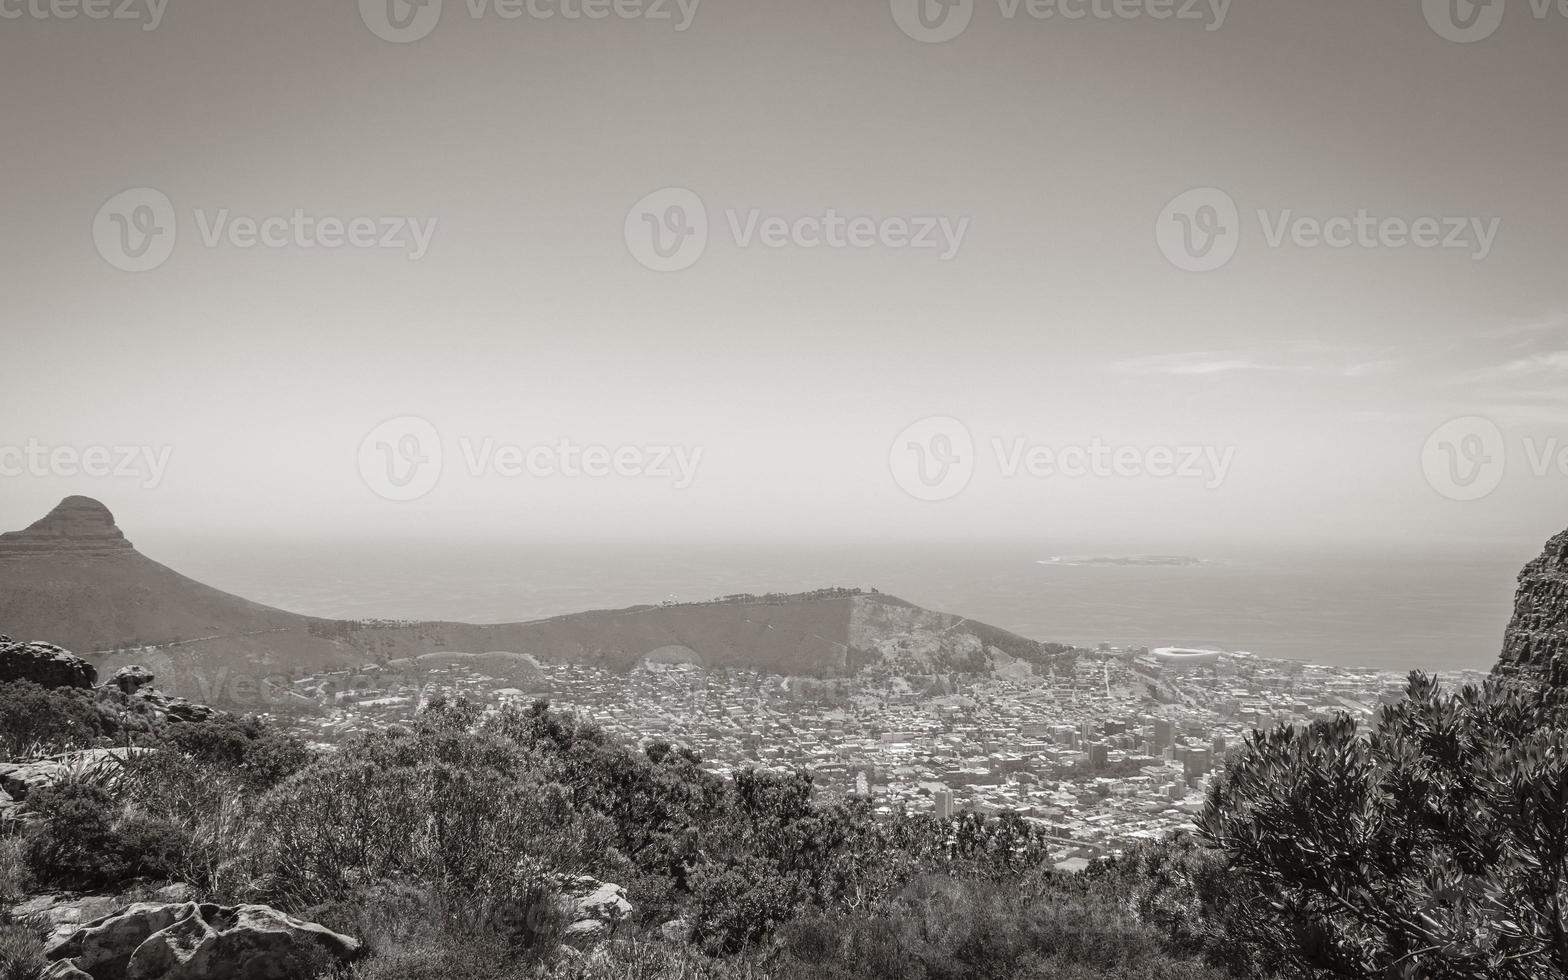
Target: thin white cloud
1325,362
1186,364
1546,362
1553,322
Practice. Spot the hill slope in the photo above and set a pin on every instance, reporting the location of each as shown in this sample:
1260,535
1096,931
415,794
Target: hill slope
73,577
833,632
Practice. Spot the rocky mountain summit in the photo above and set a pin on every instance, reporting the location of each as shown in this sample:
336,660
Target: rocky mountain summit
78,526
1536,643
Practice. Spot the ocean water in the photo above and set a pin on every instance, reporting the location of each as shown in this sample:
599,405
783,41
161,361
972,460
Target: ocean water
1433,609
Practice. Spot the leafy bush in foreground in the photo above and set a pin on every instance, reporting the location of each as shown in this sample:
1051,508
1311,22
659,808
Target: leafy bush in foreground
85,839
1435,846
35,718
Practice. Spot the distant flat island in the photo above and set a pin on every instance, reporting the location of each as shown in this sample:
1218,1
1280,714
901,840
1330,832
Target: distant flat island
1154,561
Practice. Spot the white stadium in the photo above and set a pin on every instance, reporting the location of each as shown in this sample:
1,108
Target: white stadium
1185,656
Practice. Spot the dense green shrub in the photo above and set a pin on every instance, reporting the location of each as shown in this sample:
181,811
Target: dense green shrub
1433,846
73,844
436,804
85,839
260,755
40,719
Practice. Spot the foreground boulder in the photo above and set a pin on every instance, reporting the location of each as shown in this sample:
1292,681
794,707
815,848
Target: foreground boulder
44,664
1536,644
191,941
593,907
64,914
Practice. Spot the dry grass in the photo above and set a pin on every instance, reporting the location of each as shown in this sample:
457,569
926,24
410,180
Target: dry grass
13,873
21,940
22,947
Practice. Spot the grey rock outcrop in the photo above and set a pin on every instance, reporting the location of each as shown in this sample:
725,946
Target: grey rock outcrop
593,907
169,708
132,678
191,941
44,664
1535,646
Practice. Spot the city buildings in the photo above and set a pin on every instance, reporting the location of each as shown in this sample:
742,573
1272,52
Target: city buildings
1119,749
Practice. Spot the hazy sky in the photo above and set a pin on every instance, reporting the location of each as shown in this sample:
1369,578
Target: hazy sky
1047,316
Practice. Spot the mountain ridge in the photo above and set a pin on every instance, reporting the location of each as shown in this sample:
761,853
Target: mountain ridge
73,578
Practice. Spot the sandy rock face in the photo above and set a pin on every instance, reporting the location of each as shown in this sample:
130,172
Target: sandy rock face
190,941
